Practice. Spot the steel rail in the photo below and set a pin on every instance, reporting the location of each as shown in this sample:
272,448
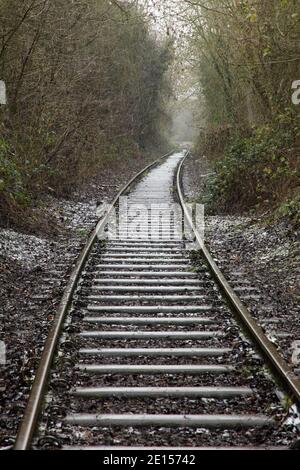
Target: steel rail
32,411
34,406
279,365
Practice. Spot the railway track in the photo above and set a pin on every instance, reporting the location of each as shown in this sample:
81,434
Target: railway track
151,348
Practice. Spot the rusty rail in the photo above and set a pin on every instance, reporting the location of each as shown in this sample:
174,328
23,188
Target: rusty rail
32,411
277,362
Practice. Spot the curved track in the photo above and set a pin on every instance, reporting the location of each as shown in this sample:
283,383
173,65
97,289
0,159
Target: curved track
149,345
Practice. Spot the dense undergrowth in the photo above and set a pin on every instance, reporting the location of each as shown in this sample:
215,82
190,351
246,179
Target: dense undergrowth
247,71
86,85
259,172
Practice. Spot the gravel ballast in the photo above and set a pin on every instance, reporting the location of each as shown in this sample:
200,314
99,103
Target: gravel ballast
34,269
255,254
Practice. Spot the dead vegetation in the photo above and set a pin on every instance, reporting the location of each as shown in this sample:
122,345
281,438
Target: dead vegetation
85,83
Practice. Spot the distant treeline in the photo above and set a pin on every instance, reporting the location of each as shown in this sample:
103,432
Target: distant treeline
85,83
246,55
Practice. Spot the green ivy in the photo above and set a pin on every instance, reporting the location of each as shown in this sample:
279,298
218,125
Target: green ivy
290,209
255,171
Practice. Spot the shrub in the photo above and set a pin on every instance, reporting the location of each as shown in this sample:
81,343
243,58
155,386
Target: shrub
86,83
257,171
290,209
